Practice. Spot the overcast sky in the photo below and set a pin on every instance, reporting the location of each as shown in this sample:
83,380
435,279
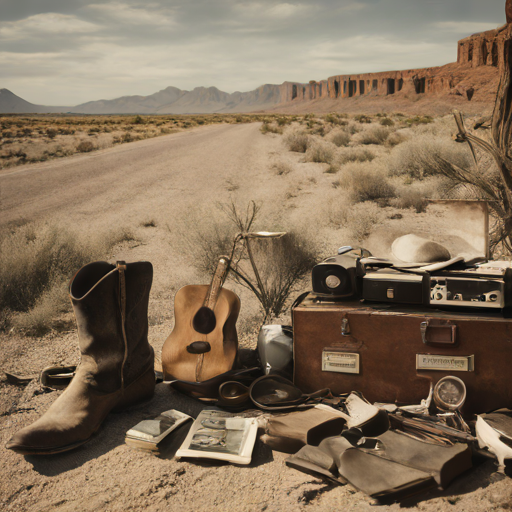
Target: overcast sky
66,52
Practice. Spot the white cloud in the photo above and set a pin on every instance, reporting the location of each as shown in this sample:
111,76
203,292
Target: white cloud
133,15
46,24
464,27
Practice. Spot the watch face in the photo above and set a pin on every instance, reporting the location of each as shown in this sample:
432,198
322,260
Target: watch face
450,393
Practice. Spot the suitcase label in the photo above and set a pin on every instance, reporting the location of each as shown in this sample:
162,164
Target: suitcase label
340,362
445,363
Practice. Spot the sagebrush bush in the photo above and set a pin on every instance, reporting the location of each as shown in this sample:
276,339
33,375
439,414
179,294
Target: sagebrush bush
422,156
38,258
367,184
359,219
386,121
85,146
415,194
339,137
296,140
375,134
267,127
320,152
356,155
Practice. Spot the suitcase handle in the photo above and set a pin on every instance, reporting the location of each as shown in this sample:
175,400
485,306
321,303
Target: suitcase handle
438,332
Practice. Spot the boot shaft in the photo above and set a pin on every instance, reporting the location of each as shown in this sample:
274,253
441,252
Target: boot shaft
111,309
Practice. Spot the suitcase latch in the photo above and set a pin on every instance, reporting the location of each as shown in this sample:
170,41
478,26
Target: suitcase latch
438,332
345,327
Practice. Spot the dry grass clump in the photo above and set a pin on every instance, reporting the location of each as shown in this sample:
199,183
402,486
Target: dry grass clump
296,140
271,127
85,146
282,168
415,194
375,134
339,137
356,155
37,262
422,155
367,183
321,152
359,219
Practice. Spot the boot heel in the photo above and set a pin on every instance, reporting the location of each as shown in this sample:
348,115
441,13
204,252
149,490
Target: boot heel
139,391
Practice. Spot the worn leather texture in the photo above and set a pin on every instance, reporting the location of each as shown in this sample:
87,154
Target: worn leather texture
112,374
388,340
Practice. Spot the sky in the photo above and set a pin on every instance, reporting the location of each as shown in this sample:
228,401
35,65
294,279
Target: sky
67,52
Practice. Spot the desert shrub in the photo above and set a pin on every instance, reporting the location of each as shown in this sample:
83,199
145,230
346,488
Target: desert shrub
367,183
138,120
339,137
37,261
386,121
354,128
370,186
280,263
356,155
359,219
424,155
411,121
320,152
363,118
394,139
296,140
415,193
373,135
281,168
51,133
267,127
85,146
336,119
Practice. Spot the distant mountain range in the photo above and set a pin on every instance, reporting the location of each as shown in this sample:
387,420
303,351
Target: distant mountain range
203,100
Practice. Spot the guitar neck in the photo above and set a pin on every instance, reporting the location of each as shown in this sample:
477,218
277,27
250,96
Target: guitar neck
217,282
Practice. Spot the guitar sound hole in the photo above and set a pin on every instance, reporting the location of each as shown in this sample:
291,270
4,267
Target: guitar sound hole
204,320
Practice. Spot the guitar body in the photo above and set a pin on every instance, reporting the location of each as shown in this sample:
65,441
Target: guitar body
177,361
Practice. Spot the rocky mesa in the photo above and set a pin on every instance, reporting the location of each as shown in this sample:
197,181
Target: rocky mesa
474,77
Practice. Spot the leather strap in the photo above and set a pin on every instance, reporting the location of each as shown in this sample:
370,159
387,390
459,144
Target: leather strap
121,268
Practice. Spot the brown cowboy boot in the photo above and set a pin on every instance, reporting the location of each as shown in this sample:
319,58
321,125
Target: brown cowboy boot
117,363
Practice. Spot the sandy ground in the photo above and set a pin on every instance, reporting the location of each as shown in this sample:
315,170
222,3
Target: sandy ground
173,181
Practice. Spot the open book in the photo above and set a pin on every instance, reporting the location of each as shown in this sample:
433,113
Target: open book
148,433
220,435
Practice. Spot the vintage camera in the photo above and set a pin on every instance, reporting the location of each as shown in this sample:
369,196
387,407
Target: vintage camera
340,276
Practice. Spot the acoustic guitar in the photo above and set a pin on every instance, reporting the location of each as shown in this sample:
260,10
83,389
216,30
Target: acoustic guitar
204,341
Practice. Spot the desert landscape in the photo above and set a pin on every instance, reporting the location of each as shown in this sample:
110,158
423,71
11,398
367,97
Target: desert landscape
171,178
329,179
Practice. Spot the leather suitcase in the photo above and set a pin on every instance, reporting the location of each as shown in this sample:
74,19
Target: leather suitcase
393,353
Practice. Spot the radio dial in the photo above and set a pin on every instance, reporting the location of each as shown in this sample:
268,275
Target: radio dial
332,282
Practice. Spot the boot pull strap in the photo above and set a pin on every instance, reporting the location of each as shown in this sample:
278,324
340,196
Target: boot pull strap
121,268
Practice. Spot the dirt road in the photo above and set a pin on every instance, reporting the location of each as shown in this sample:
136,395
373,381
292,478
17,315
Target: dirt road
168,180
150,175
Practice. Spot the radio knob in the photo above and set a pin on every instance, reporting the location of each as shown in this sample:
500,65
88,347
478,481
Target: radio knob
439,295
332,282
493,297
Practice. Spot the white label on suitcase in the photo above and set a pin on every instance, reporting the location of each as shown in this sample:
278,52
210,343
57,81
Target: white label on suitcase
340,362
445,363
